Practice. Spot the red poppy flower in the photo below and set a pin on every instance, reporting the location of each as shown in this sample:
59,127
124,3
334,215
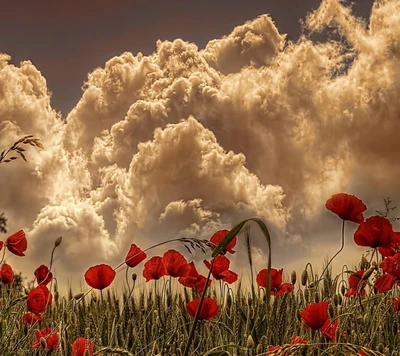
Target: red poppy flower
354,282
6,274
38,299
297,340
154,268
316,317
294,341
134,256
272,349
100,276
16,243
219,236
209,308
347,207
31,319
391,265
374,232
50,335
220,269
43,275
1,245
393,248
175,264
361,353
81,345
277,287
194,279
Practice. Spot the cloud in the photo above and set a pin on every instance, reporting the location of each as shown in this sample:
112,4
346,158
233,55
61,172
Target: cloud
186,141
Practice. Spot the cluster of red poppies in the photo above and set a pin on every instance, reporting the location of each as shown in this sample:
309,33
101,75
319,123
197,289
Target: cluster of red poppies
375,232
38,299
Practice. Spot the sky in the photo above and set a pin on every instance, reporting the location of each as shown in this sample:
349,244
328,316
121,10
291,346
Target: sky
168,119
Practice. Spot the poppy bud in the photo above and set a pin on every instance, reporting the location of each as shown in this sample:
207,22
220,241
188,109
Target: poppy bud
250,301
335,300
307,295
250,342
43,343
331,311
56,296
229,301
343,289
79,295
304,278
340,299
316,297
293,277
368,273
58,241
364,263
134,276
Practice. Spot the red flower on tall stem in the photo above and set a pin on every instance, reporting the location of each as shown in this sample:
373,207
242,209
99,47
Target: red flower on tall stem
219,236
16,243
347,207
355,287
100,276
194,279
31,319
154,268
277,287
50,335
220,269
135,256
374,232
6,274
38,299
316,317
43,275
80,345
391,265
175,264
209,308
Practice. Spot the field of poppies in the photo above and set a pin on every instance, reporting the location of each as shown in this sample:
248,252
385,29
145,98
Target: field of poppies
186,313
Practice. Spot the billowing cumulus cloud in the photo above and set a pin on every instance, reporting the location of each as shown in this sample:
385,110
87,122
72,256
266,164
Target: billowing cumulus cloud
186,141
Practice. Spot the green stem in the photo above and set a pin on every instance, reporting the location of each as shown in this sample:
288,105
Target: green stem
196,317
340,250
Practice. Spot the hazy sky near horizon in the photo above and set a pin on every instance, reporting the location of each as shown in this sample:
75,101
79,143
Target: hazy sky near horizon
192,117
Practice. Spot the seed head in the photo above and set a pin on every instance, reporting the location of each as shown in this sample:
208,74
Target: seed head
293,277
250,342
58,241
79,295
304,278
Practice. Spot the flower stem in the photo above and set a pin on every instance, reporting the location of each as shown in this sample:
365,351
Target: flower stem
196,317
340,250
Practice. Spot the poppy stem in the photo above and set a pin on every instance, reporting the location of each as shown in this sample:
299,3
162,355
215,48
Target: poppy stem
330,261
196,317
